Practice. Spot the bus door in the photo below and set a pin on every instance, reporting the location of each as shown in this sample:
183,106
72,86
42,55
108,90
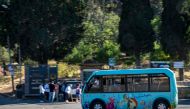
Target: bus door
114,90
137,95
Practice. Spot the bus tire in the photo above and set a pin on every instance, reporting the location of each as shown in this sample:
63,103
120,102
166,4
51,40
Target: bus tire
97,104
161,104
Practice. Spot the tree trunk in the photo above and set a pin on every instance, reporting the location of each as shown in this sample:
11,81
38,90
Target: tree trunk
138,60
43,60
181,74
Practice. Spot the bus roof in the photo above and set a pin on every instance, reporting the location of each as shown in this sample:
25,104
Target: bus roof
135,71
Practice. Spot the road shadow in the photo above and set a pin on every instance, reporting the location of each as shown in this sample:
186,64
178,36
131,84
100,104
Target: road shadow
184,102
8,99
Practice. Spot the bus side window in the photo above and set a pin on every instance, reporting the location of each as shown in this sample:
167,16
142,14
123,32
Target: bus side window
136,82
114,83
159,83
94,85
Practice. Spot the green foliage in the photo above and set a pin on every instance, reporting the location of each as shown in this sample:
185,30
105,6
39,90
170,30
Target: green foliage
109,49
158,54
50,29
185,14
100,34
30,62
4,55
175,23
156,22
81,52
44,29
157,6
66,70
100,26
136,35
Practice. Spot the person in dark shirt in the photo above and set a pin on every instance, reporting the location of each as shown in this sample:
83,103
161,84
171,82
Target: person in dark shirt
78,92
63,87
52,92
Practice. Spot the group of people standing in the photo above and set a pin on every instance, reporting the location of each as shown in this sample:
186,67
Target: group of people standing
58,92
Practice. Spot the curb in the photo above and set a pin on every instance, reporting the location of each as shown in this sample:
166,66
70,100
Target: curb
7,95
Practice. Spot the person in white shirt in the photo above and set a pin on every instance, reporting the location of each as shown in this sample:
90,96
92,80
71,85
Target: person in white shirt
68,92
42,90
47,91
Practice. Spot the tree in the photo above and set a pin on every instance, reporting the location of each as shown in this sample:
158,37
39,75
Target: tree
174,29
158,54
3,22
136,35
109,49
100,27
99,23
175,37
45,29
81,52
4,56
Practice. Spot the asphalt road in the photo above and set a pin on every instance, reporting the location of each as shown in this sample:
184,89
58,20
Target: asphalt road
11,103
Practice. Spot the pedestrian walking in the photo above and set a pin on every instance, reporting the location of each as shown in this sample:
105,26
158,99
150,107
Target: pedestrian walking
52,92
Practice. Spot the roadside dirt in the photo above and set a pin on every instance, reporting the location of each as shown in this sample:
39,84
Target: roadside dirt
6,87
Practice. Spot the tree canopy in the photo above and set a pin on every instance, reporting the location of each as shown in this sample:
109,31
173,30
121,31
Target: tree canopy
100,25
175,28
95,29
44,29
136,35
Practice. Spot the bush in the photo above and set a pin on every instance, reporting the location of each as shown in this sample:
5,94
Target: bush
69,71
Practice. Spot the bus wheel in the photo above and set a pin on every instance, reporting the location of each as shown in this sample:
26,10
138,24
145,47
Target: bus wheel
161,105
97,105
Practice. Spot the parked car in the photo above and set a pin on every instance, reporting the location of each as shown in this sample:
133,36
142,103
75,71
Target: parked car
73,84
